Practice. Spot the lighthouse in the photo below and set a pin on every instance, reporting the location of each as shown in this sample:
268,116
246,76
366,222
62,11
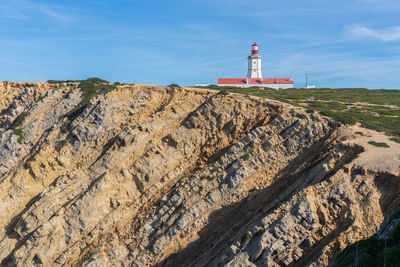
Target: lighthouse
254,70
254,75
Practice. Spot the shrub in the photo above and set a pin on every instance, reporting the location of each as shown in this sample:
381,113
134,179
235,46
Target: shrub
63,142
339,116
396,234
96,80
64,129
209,178
245,237
62,81
19,120
365,201
260,232
18,131
174,85
326,101
20,135
378,144
397,140
40,98
245,156
90,88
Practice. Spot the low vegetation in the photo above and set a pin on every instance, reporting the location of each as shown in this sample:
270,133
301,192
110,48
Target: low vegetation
94,79
40,98
209,177
245,156
375,109
20,135
245,237
62,81
372,252
378,144
397,140
19,120
90,88
174,85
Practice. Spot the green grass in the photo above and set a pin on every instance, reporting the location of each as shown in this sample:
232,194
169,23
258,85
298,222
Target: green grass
316,105
350,95
378,144
338,104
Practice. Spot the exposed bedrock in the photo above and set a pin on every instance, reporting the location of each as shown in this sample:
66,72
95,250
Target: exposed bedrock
151,175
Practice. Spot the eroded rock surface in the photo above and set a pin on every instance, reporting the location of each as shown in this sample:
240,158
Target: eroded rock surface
151,175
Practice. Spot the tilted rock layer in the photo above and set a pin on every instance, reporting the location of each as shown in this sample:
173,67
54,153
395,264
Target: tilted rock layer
152,175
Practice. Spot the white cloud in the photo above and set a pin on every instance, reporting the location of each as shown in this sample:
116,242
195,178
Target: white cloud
386,35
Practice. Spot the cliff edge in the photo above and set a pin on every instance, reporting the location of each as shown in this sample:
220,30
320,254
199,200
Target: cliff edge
141,175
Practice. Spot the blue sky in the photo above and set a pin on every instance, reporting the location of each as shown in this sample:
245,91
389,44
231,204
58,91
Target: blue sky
341,43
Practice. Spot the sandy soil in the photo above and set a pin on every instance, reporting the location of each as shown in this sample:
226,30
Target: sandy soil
377,158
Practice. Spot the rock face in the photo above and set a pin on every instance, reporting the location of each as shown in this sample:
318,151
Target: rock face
151,175
381,249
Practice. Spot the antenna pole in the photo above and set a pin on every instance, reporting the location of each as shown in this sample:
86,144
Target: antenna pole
306,80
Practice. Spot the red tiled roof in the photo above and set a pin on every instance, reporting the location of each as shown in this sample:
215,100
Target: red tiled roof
231,80
276,80
254,81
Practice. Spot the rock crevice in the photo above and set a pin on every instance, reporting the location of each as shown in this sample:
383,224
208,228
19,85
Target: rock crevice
152,175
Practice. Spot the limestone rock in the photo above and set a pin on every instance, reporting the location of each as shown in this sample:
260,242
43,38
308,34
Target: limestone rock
147,175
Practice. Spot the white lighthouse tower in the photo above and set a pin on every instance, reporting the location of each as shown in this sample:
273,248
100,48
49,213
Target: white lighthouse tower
254,70
254,76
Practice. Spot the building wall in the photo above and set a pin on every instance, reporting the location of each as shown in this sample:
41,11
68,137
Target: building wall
270,85
254,67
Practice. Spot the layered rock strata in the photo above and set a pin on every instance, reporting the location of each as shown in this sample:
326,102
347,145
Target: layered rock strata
151,175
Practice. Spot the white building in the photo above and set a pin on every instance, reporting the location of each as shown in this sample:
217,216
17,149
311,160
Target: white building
254,75
254,62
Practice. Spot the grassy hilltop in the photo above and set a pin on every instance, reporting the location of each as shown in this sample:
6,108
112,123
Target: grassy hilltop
374,109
